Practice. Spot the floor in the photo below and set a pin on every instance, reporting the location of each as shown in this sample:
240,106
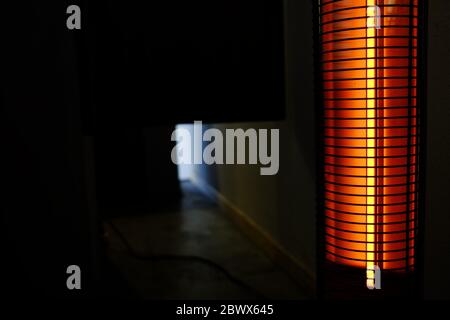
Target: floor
182,253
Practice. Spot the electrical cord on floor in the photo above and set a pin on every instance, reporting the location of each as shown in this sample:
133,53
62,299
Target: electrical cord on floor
190,258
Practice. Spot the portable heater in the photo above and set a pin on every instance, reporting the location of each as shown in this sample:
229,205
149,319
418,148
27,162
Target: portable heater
369,79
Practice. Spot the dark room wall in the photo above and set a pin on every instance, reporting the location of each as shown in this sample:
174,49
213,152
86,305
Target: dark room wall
437,225
44,205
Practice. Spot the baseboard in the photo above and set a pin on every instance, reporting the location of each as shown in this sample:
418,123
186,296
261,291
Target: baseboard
262,239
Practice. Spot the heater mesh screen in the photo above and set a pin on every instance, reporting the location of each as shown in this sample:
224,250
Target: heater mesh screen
369,74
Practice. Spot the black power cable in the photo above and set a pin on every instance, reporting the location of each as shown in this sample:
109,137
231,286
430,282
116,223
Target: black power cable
190,258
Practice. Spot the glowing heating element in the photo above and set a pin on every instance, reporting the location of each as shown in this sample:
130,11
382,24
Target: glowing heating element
369,60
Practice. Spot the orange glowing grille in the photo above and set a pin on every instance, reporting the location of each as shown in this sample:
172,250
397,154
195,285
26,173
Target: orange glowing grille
369,60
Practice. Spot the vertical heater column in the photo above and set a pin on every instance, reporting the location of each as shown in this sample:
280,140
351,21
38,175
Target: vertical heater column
369,81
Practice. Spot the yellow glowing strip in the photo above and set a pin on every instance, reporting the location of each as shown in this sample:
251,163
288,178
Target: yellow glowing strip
371,85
